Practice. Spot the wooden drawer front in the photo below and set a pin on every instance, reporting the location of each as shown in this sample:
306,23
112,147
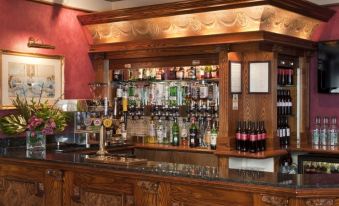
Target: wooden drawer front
107,183
182,195
22,192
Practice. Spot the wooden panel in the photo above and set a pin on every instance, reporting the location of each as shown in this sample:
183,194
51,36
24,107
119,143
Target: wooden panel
223,141
149,193
205,159
167,61
259,155
173,148
192,196
21,192
112,184
239,40
194,6
54,186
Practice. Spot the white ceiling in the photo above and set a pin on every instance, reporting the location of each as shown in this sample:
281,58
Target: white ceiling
103,5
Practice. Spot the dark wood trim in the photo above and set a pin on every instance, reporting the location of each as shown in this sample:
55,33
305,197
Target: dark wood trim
194,6
60,5
205,44
259,155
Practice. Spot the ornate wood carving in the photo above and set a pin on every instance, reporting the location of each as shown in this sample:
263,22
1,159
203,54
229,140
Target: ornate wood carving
129,200
2,183
320,202
95,198
57,174
274,200
256,18
76,194
148,187
21,192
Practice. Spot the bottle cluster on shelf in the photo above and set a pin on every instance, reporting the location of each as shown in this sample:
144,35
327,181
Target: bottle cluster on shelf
310,167
177,105
251,136
167,99
285,72
283,132
284,102
194,132
168,73
325,132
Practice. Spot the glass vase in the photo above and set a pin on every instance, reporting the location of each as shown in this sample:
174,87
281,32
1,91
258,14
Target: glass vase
35,141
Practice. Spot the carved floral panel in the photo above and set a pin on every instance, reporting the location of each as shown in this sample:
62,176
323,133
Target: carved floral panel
257,18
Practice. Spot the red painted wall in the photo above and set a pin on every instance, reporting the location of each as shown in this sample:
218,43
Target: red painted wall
323,104
20,19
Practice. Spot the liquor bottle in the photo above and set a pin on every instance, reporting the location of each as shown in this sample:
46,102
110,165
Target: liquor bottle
316,132
184,132
215,72
263,136
194,142
208,72
253,138
159,75
333,132
238,137
180,73
244,138
214,135
192,73
125,106
175,133
160,132
324,132
283,103
151,132
203,90
208,133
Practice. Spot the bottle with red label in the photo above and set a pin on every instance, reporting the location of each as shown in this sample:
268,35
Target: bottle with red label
244,138
238,137
263,136
253,138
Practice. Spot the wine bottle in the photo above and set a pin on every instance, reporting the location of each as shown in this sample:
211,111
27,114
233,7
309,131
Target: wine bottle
238,137
263,136
253,138
243,142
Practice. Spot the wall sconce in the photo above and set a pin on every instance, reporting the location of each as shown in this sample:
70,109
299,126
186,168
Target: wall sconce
36,43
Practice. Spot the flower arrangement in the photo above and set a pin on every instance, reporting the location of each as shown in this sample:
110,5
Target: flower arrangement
34,117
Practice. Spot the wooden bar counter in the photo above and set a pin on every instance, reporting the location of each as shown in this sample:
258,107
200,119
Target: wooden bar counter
68,179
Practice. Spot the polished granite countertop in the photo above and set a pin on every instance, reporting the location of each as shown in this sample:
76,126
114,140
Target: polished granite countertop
184,170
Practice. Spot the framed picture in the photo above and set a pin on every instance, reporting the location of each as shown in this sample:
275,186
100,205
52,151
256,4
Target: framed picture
30,75
235,77
259,77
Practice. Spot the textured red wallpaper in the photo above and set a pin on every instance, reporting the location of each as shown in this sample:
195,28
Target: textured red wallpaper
323,104
20,19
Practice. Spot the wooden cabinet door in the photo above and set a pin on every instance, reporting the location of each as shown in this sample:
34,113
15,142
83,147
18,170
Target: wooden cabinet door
21,186
94,189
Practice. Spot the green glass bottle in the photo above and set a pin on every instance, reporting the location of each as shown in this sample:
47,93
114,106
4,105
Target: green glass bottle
175,133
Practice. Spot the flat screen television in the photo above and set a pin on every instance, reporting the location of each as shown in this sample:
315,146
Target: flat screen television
328,67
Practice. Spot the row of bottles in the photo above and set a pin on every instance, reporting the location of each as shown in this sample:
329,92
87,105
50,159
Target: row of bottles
283,132
285,72
325,133
166,98
168,73
284,103
251,136
180,131
320,168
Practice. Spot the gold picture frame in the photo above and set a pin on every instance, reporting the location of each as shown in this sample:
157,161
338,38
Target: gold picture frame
30,75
